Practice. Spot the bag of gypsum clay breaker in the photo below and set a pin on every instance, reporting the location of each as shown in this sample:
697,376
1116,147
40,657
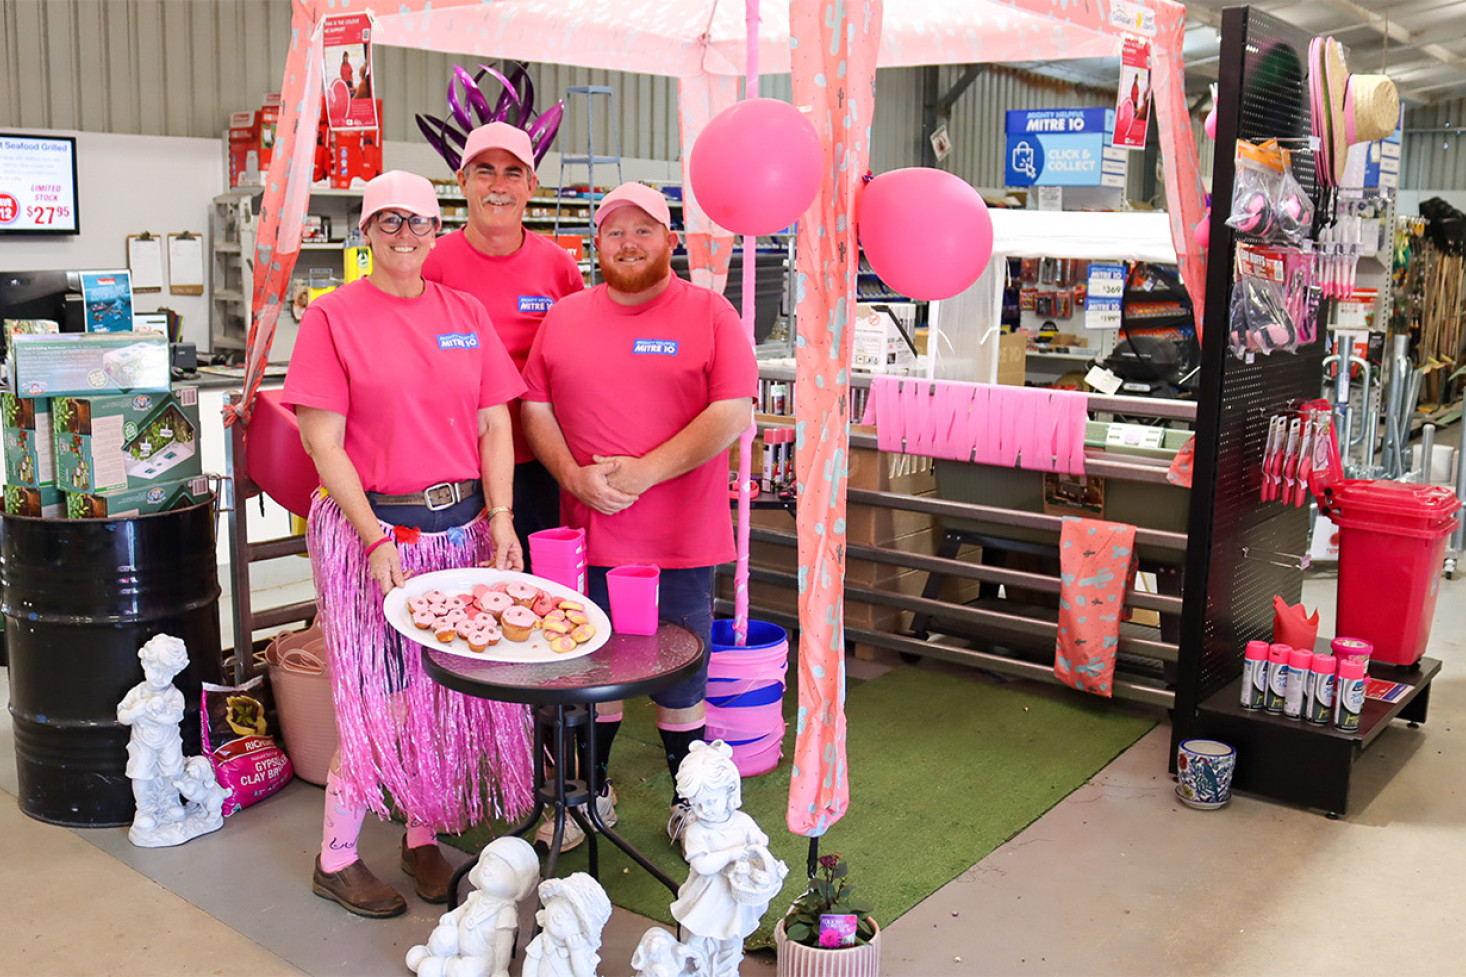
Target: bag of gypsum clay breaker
237,740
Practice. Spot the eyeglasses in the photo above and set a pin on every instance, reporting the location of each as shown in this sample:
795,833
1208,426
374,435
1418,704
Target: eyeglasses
421,226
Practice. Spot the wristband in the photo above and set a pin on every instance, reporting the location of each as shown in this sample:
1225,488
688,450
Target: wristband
372,548
501,508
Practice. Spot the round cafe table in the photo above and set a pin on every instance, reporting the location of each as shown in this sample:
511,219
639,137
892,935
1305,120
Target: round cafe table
564,696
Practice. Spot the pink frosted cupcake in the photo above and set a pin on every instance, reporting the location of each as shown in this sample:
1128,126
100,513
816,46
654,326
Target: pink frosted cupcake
517,622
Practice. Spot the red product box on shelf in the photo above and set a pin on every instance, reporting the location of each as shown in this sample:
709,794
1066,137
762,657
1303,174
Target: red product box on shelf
244,149
355,156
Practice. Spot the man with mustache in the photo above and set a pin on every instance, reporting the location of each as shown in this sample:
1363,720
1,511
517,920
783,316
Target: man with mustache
636,389
517,274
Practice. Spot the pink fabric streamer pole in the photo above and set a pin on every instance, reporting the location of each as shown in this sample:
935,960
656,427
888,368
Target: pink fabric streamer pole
745,440
447,759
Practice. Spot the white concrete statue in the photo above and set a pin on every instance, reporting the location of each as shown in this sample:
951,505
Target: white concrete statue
477,938
154,708
575,912
733,874
658,954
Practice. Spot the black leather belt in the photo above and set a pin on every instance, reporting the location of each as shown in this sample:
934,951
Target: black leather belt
434,497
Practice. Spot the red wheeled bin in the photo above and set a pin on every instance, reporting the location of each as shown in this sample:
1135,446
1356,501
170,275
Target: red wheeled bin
1392,546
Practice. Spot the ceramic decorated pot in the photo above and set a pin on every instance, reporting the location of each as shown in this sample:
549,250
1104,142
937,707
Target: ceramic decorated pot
1204,773
798,960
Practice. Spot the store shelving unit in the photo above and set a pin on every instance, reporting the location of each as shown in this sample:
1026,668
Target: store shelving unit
1256,550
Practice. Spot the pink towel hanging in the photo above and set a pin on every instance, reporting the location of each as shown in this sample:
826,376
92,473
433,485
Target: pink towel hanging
1096,566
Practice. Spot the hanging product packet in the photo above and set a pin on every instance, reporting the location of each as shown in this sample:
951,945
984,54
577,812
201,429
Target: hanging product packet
1269,206
1258,321
238,742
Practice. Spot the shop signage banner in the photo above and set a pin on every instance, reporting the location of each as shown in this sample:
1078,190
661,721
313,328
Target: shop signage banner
346,69
1062,148
1132,103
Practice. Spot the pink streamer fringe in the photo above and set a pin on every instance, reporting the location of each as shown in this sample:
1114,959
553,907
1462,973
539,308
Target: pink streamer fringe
447,759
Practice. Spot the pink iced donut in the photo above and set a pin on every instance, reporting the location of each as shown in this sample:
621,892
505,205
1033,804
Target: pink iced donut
495,603
522,593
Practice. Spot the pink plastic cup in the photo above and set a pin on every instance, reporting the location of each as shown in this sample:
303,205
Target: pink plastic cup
570,575
633,592
561,545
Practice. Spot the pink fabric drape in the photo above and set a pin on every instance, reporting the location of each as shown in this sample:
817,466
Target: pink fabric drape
709,247
834,69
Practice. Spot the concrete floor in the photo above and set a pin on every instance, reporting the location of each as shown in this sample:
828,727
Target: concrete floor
1118,878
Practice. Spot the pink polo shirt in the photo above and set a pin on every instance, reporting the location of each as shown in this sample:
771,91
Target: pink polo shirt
409,376
516,289
624,379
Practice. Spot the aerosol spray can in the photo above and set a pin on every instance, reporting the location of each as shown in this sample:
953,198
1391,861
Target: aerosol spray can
1300,662
1254,675
779,395
1320,700
1349,695
1277,678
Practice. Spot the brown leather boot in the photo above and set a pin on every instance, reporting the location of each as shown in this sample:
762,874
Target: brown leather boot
429,870
356,888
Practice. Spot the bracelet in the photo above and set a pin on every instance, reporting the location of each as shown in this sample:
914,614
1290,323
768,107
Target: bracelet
501,508
372,548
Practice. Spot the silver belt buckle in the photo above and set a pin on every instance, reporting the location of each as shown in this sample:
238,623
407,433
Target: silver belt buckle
440,496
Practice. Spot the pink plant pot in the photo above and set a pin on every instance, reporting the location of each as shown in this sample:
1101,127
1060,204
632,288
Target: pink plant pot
797,960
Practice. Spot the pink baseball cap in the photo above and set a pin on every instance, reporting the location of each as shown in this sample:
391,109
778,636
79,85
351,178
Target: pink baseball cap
401,190
636,195
499,135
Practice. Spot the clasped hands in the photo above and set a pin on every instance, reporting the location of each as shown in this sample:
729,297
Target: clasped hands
612,483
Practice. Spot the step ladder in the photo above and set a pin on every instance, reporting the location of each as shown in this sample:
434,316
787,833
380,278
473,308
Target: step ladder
591,160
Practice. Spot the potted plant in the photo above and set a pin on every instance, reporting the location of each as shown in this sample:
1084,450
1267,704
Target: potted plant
811,940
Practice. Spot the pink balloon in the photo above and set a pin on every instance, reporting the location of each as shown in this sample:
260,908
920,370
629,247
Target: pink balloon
756,166
1210,125
926,233
275,460
1202,234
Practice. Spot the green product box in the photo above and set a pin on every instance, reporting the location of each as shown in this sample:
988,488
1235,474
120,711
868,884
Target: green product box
41,502
26,426
27,327
125,441
84,364
157,497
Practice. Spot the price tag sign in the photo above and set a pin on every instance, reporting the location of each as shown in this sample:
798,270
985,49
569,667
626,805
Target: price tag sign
37,185
1103,296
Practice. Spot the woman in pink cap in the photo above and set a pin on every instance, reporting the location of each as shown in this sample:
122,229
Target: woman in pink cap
400,386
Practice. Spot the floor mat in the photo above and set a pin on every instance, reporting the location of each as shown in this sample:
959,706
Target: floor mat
943,769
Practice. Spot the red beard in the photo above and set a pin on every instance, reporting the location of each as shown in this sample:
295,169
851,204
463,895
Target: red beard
632,281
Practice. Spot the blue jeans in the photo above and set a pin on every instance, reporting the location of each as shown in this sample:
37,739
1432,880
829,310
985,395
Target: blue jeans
685,597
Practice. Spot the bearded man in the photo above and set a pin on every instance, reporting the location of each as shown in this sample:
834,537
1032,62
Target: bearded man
636,389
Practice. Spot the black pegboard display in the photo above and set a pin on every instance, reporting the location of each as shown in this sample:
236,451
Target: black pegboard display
1255,547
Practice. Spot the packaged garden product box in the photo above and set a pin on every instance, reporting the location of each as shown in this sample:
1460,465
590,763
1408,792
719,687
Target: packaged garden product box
41,502
125,441
158,497
25,423
82,364
28,327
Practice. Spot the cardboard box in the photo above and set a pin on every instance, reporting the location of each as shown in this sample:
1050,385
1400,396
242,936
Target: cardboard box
27,327
26,426
156,497
1013,358
126,441
39,503
878,345
85,364
355,156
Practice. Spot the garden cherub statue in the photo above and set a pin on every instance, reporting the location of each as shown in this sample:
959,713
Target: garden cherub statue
658,954
575,911
733,874
477,938
155,764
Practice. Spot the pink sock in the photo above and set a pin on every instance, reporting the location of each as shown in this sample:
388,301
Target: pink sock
420,834
341,829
